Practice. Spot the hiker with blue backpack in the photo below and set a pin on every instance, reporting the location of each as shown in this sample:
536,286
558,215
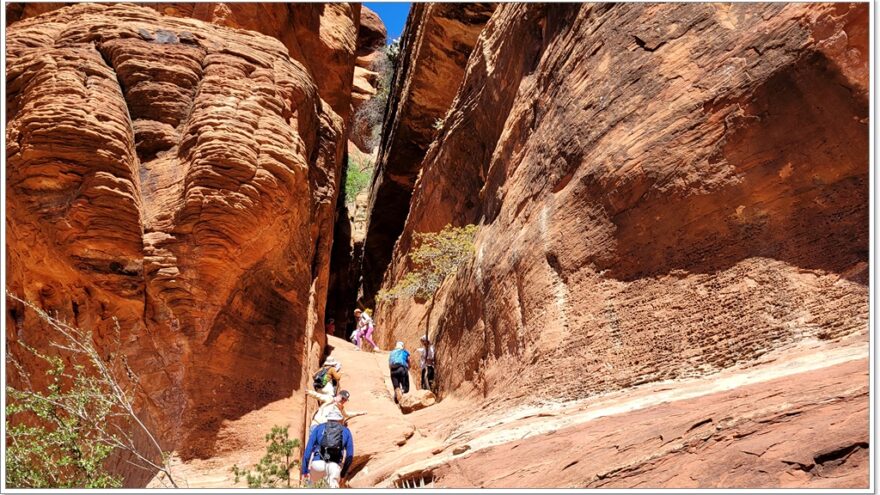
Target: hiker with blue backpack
398,362
329,452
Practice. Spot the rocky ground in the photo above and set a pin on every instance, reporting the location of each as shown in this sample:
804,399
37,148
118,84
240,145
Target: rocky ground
795,419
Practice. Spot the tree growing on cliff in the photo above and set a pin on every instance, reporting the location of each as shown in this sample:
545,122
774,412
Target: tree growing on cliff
60,435
371,114
436,256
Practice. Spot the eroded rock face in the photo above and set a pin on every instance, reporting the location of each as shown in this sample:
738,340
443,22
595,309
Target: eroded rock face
803,431
348,235
179,176
325,53
435,49
662,191
367,81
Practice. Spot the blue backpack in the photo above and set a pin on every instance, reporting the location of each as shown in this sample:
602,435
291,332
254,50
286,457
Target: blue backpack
399,357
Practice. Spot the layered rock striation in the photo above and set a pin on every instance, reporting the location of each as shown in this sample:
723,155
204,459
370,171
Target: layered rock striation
663,191
181,177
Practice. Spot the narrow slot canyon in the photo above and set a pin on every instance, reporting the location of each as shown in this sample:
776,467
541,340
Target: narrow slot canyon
664,282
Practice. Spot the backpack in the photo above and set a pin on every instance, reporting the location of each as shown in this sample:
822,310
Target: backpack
398,357
321,378
331,445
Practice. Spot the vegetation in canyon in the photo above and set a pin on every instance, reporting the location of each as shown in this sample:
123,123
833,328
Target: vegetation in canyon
61,435
371,114
274,468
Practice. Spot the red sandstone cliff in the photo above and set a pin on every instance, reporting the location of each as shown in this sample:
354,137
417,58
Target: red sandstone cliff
180,176
662,192
434,51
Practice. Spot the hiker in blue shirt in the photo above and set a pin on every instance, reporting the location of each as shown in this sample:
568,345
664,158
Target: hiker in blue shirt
330,446
398,361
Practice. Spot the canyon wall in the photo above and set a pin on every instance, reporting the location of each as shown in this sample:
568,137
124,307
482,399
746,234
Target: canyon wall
181,177
434,51
662,191
348,238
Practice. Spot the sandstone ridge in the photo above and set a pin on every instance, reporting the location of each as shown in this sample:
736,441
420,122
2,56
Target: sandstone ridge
180,176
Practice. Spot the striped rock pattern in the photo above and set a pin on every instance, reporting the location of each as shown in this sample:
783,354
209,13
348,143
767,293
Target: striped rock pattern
181,177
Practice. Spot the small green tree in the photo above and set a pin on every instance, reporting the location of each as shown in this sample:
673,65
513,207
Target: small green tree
62,449
436,256
357,178
274,468
59,436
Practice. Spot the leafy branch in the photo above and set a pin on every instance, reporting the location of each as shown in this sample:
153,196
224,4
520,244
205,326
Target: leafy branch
60,437
436,256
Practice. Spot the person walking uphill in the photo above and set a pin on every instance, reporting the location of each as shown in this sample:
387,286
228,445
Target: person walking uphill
328,378
426,363
365,327
329,452
398,361
329,403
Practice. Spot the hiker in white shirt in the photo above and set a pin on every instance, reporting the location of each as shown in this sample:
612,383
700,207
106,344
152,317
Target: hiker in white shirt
426,363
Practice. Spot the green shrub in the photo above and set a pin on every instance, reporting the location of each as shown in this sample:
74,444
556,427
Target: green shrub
356,179
436,256
63,448
60,435
274,468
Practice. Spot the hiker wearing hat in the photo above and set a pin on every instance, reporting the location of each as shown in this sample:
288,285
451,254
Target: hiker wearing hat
329,452
398,361
328,377
426,363
328,403
369,326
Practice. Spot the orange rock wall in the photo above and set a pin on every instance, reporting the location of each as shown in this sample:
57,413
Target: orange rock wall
434,52
662,191
180,176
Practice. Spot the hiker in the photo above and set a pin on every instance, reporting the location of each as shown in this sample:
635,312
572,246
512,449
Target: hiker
329,451
358,329
398,361
426,363
365,327
368,327
326,379
330,329
328,403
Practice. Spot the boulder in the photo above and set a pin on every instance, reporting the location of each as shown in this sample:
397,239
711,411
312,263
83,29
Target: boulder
416,399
